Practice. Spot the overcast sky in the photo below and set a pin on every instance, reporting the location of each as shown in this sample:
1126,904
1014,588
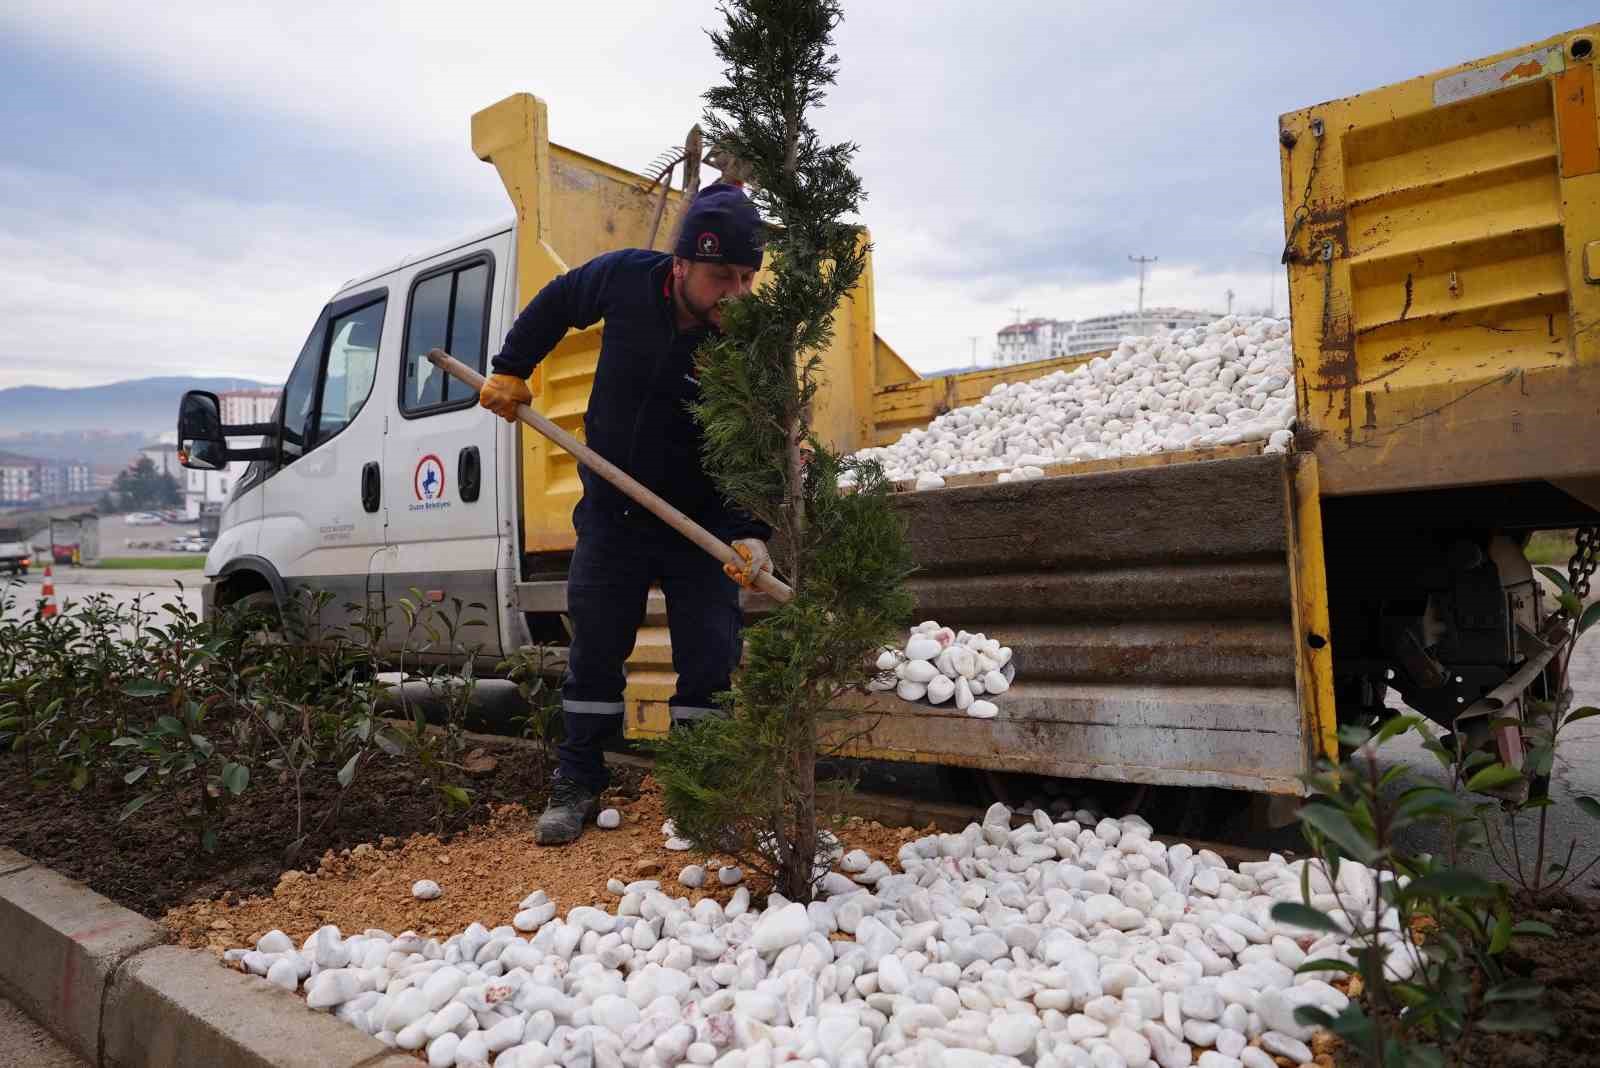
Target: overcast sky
182,185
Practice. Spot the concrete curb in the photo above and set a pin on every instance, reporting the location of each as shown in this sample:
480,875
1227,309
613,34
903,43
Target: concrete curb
99,977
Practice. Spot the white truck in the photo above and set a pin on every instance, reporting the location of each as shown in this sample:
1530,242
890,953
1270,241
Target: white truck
16,555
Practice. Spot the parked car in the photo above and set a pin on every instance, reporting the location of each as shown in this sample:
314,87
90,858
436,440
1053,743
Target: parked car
192,545
142,519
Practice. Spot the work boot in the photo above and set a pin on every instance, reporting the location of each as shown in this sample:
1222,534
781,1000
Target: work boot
571,805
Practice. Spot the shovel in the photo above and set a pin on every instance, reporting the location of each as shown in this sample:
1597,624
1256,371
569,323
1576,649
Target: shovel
719,549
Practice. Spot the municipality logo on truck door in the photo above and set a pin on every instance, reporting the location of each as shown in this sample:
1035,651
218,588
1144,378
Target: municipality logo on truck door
427,482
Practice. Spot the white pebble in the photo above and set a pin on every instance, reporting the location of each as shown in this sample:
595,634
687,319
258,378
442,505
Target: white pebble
274,941
1285,1046
609,819
983,710
283,973
425,890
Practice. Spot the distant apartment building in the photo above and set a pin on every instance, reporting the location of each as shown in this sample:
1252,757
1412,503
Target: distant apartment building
28,480
1036,339
18,478
249,405
60,481
1044,339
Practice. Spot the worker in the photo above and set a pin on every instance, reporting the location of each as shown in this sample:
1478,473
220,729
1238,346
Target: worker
658,308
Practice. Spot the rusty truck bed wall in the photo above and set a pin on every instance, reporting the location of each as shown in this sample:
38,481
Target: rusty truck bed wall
1151,612
1444,274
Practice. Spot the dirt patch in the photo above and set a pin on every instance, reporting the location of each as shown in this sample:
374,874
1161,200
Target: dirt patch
484,872
1565,965
151,862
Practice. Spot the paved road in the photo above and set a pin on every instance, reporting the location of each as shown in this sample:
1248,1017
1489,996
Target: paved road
157,587
1576,773
23,1042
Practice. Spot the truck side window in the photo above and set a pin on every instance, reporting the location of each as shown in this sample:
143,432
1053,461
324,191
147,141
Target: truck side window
351,366
298,405
449,310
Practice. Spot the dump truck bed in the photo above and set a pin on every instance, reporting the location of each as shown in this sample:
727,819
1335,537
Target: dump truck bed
1151,613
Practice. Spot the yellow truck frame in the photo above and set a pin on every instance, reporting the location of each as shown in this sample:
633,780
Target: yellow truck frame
1177,617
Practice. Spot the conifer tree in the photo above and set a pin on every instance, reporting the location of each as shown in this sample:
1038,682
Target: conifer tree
747,784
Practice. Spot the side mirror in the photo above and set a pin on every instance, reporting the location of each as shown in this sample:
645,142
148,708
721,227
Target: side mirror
203,454
200,416
203,439
200,441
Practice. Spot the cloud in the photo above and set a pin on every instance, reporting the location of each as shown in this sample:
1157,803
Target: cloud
107,286
189,181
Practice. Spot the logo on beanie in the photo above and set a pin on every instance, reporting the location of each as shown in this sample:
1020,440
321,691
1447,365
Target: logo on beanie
708,245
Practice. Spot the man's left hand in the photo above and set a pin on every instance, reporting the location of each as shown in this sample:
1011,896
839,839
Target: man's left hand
756,558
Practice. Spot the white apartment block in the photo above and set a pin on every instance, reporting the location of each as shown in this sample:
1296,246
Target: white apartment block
1044,339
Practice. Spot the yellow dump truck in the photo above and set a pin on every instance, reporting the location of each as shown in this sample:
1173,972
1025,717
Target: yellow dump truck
1203,618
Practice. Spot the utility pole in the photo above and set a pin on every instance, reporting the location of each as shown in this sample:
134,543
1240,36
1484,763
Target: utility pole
1142,261
974,339
1016,313
1230,301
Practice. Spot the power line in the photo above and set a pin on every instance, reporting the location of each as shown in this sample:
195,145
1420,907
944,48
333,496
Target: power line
1142,261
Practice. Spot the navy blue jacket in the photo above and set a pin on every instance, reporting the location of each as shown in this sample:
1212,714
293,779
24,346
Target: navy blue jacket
638,415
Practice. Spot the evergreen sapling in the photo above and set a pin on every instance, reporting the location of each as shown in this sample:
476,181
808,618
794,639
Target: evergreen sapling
746,784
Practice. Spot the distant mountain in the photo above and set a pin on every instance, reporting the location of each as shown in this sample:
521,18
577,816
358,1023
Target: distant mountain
106,452
143,406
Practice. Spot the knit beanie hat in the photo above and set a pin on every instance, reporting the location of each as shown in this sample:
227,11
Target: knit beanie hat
722,226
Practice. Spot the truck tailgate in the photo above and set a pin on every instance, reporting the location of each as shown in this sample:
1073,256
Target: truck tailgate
1151,615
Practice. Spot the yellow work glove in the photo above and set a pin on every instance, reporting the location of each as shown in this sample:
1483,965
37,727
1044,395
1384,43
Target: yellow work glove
502,393
756,560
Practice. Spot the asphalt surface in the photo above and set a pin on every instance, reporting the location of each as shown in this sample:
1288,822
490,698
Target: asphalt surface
157,587
23,1042
1576,773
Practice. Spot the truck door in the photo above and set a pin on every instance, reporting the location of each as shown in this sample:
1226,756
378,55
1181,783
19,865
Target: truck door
321,501
441,490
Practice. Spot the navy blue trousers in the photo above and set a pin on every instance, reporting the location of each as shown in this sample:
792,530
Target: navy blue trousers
617,560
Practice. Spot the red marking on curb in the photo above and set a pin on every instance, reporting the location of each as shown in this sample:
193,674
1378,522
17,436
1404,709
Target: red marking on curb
105,928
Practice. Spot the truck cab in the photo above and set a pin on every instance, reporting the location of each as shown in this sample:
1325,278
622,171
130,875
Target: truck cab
378,476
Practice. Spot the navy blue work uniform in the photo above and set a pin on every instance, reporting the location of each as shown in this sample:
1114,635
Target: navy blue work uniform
639,419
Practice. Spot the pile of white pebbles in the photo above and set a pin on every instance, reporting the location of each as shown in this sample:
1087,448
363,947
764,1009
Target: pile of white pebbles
1051,944
1229,382
938,664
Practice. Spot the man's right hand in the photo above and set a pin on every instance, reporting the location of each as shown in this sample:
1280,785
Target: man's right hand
502,393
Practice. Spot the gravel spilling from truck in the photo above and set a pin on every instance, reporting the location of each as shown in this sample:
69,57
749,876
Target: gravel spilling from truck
1079,942
939,665
1227,383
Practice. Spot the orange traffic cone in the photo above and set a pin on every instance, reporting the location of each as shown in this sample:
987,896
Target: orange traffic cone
47,605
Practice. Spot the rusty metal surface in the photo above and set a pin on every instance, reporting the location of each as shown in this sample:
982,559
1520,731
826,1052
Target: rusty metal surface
1246,589
1150,615
1443,331
1223,651
1245,738
1197,512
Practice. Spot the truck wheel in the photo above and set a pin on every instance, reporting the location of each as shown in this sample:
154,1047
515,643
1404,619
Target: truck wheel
262,604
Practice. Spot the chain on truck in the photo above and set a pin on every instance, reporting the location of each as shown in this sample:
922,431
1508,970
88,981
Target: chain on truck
1195,619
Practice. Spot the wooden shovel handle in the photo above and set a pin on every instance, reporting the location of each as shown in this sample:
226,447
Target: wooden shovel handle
719,549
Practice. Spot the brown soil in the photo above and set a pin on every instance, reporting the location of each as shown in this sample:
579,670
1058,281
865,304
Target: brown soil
151,862
484,873
1565,965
